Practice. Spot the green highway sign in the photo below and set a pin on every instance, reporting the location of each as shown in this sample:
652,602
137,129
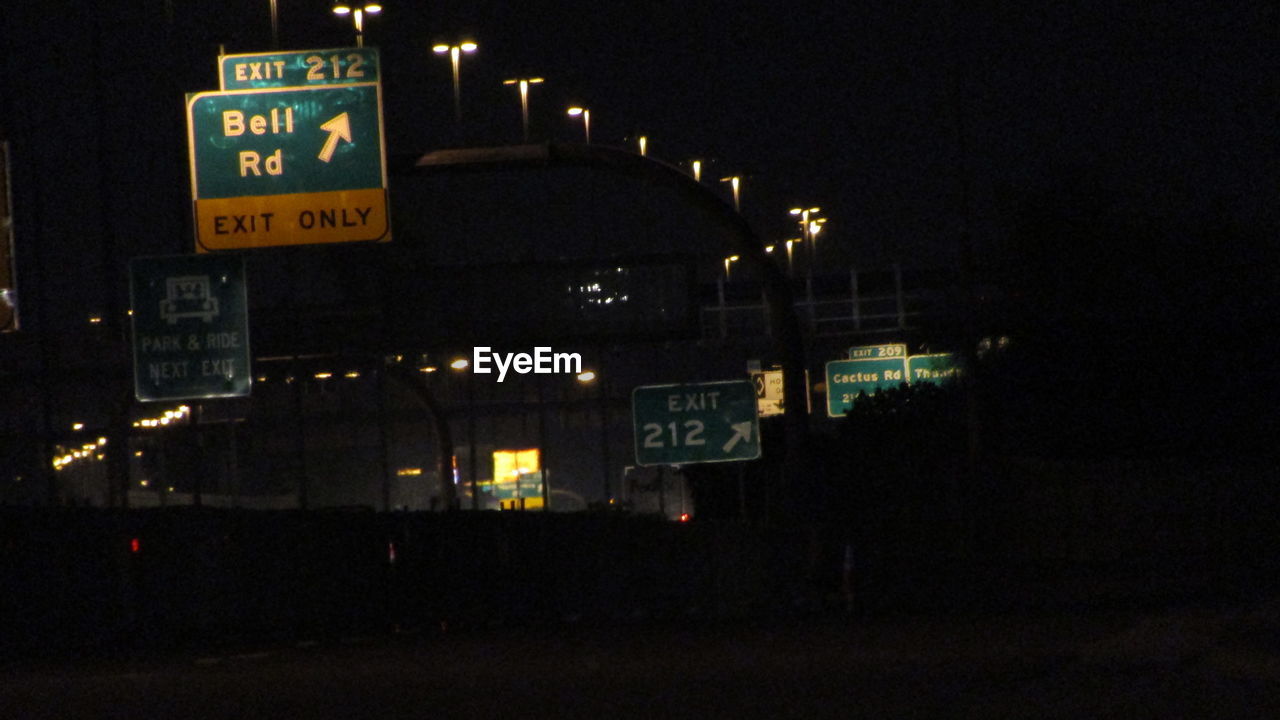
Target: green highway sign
695,422
270,142
526,485
302,68
934,368
190,327
873,352
847,378
287,166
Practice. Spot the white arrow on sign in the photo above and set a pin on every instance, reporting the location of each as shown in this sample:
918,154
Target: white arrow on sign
339,128
741,432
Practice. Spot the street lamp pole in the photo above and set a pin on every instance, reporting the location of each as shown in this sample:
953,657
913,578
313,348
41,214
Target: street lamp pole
344,8
586,120
790,267
462,364
275,26
455,57
523,84
806,235
735,181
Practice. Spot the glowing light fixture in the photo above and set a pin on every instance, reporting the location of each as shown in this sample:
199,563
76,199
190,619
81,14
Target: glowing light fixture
523,84
357,11
455,56
585,114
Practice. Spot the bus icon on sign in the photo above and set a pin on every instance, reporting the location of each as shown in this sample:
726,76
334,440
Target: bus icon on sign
188,296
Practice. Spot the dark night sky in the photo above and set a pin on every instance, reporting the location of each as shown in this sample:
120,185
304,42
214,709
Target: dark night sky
1166,111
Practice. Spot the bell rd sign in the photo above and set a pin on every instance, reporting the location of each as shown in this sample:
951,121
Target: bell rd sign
288,166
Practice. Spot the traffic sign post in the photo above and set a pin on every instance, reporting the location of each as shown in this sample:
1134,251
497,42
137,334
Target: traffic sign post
302,68
769,396
695,422
190,327
289,166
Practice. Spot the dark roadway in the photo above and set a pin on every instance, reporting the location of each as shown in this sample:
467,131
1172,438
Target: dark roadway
1172,663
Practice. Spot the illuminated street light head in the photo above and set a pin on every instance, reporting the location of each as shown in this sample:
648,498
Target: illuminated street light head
585,114
344,8
460,364
466,46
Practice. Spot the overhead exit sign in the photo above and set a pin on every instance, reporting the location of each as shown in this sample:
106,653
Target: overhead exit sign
695,422
937,368
846,379
190,327
294,69
875,352
290,166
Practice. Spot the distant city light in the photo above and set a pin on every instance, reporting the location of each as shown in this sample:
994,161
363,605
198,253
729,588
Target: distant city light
167,417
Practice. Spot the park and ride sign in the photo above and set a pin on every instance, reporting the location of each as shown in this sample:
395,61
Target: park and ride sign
190,327
275,164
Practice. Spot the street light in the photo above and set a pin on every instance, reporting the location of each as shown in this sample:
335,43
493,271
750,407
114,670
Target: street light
735,181
696,165
461,364
586,120
455,55
815,226
588,377
644,145
790,242
806,226
523,84
727,261
357,13
806,232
